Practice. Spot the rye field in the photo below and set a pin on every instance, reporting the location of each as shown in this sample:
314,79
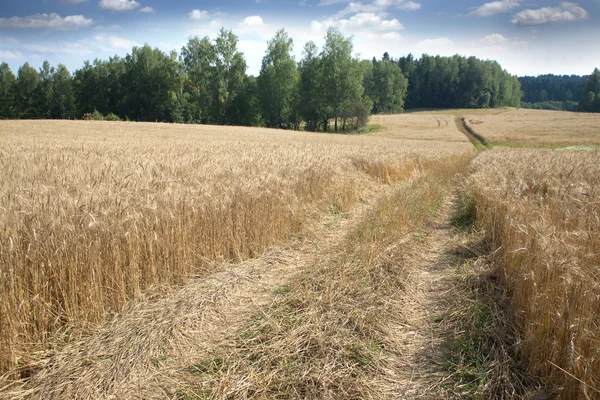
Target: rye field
143,260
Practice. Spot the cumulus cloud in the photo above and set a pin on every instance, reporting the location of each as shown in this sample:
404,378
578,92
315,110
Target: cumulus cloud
63,47
495,7
147,10
46,21
330,2
492,40
437,42
119,5
253,21
378,6
567,12
9,54
364,23
198,15
110,43
409,6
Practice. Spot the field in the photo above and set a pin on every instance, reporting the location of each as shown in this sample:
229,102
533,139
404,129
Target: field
536,128
178,261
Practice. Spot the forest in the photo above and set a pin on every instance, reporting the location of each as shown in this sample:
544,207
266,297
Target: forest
552,92
206,82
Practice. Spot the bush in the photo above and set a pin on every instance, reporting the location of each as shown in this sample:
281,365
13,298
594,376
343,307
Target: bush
98,116
112,117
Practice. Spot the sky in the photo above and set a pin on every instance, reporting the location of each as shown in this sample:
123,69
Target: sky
525,37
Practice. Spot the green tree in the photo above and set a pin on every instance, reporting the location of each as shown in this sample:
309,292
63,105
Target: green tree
590,102
278,82
62,102
386,86
150,76
229,77
25,93
342,77
199,60
312,98
7,83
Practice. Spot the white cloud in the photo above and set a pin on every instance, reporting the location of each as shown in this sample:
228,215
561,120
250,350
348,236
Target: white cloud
119,5
495,7
9,54
111,28
198,15
360,23
409,6
330,2
46,21
567,12
437,42
492,40
378,6
63,47
111,43
147,10
253,21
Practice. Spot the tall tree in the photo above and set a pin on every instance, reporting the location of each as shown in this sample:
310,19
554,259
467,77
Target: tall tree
62,101
312,96
386,86
7,83
278,82
590,102
150,76
25,93
342,78
199,60
230,73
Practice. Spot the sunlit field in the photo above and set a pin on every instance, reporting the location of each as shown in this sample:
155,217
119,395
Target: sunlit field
94,213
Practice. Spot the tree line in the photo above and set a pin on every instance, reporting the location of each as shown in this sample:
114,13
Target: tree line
206,83
590,102
552,92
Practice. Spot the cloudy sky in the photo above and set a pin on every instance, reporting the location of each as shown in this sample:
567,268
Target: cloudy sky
526,37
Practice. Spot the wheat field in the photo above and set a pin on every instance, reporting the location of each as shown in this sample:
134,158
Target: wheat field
540,210
535,128
93,214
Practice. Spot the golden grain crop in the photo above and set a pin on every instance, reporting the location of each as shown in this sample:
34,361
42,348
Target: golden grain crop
419,126
92,214
541,209
533,128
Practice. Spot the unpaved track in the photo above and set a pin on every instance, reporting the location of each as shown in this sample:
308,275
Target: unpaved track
423,339
148,351
461,127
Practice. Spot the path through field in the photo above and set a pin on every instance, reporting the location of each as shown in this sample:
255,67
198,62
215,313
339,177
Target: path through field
424,338
147,352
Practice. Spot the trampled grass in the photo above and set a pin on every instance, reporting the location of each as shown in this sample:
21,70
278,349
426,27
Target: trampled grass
93,214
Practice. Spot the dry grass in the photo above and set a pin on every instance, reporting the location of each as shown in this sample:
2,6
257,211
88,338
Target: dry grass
419,126
536,128
332,335
93,214
540,209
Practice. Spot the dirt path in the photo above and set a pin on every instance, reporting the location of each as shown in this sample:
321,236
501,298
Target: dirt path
423,338
476,140
148,351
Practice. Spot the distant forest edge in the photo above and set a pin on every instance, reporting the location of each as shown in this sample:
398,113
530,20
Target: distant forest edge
207,83
552,92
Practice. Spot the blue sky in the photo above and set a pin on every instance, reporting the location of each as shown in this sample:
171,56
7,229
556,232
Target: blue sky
526,37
